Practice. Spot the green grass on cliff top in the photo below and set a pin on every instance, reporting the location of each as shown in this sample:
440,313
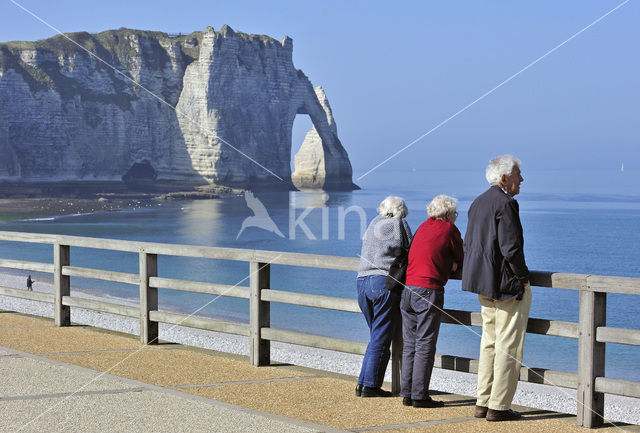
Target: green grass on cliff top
117,41
113,46
110,43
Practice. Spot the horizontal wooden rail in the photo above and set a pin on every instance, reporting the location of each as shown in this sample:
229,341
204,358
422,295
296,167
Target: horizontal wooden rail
527,374
459,317
618,335
456,363
604,284
308,260
626,388
593,283
27,266
317,341
199,287
99,274
103,307
199,322
235,254
305,300
24,294
543,376
555,328
558,280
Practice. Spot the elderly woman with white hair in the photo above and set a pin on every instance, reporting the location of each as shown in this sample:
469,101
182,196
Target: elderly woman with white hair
435,253
387,236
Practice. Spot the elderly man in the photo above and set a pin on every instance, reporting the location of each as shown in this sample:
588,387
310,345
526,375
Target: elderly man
495,269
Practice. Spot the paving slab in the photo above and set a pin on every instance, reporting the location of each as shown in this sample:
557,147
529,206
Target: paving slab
25,376
121,405
331,402
177,367
63,339
9,320
132,411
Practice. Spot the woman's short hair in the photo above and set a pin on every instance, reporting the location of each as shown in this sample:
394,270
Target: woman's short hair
500,165
441,205
394,207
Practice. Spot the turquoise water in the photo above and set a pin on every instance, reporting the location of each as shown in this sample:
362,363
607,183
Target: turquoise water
588,227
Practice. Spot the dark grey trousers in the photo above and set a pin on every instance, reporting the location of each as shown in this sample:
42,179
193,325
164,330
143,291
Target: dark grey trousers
421,310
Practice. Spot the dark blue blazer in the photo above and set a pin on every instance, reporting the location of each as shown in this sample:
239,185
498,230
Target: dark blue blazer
494,264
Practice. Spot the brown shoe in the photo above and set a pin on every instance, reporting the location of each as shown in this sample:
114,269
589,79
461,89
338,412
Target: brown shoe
481,411
503,415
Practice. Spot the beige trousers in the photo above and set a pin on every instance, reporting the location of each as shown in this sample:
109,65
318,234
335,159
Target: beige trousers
504,325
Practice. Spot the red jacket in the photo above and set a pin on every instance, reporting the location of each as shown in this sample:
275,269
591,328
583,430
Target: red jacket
436,245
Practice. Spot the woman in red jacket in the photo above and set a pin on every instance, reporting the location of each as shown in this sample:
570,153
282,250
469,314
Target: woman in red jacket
436,252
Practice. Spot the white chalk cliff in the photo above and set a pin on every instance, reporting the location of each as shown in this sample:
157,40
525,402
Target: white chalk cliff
66,115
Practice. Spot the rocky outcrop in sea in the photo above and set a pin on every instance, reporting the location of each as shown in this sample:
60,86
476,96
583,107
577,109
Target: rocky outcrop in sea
212,107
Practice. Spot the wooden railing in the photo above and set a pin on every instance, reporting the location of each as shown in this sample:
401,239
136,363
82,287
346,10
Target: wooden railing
591,330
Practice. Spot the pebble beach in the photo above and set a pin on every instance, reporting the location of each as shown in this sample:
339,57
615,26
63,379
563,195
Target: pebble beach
617,408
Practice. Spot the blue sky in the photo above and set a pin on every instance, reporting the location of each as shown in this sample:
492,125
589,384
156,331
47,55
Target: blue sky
393,72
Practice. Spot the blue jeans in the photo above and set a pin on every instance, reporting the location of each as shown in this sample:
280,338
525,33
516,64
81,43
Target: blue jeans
381,311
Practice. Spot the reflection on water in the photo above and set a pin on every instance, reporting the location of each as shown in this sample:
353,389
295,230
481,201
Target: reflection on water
320,199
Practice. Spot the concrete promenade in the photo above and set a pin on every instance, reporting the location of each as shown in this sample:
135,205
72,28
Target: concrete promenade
83,379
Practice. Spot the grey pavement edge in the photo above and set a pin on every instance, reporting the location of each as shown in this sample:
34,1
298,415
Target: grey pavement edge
114,403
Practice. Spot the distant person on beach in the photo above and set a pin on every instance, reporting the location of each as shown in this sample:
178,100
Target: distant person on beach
495,269
387,236
29,283
436,252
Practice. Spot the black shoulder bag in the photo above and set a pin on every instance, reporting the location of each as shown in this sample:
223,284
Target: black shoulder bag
398,270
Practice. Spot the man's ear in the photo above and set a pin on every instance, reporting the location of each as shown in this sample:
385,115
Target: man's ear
503,179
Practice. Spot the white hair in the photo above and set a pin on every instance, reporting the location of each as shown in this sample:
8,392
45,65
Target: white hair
500,165
394,207
441,205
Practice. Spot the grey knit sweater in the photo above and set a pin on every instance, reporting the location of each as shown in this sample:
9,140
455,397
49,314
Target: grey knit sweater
381,244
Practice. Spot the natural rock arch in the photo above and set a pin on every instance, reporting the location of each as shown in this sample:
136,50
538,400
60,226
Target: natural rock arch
321,162
245,97
235,97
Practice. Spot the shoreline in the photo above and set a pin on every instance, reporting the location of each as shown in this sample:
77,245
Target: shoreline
546,397
12,209
29,208
42,199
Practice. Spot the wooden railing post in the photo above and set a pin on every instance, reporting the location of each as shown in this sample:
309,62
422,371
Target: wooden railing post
396,358
62,286
593,313
148,298
260,314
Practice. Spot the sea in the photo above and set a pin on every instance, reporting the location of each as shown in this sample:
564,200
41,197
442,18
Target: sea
575,221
